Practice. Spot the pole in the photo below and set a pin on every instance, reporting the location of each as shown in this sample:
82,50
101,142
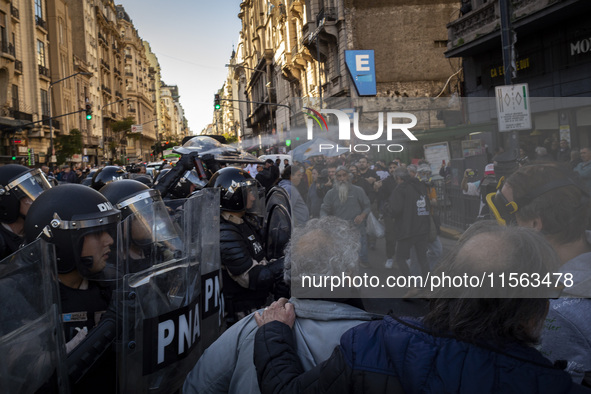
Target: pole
507,44
50,109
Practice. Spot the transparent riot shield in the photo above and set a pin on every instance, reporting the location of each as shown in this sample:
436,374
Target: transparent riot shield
159,299
201,219
31,338
277,231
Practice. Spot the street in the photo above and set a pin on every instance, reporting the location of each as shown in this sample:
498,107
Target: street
399,307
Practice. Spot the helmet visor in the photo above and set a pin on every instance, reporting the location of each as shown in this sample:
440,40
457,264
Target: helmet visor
148,237
30,185
252,194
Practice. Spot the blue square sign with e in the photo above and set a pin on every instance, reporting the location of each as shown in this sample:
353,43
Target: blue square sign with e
361,65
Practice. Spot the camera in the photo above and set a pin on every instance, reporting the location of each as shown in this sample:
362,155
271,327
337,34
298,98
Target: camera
472,173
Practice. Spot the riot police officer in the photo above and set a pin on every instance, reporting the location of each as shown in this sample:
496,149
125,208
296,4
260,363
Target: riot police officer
19,186
248,277
82,225
107,175
151,237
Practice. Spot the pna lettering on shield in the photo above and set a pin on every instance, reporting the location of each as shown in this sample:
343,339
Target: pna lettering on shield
185,328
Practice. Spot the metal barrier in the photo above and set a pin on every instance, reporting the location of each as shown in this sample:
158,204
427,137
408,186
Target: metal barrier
455,209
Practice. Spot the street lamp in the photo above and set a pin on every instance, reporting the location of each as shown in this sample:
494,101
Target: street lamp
50,115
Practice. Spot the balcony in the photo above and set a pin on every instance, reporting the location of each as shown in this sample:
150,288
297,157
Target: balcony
328,14
132,110
7,48
485,18
18,66
54,123
128,57
105,65
44,71
105,89
118,94
18,115
40,23
128,74
14,12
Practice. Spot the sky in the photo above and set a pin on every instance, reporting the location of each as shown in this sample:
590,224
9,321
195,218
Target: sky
193,41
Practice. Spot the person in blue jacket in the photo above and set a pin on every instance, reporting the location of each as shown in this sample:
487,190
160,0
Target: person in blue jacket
463,345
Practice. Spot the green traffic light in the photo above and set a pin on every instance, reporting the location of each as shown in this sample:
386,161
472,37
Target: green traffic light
217,106
297,138
88,116
13,157
287,142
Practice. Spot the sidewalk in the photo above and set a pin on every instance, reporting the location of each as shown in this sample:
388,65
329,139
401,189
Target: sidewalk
450,233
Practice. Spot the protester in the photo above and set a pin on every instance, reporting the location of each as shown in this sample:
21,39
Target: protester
563,154
548,199
290,179
268,176
462,345
584,168
348,202
322,246
409,206
314,200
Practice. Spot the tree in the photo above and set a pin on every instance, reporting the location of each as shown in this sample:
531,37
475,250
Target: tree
68,145
230,138
122,125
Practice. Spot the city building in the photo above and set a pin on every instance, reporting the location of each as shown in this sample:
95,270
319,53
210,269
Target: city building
551,53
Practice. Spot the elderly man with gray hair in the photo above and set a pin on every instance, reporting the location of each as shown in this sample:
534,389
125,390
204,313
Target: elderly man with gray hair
348,202
326,246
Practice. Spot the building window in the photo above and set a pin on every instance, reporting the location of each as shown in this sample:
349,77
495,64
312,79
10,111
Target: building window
3,33
44,103
60,26
40,53
15,98
39,9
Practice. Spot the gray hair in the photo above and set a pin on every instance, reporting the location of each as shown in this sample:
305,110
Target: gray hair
488,247
326,246
342,168
402,173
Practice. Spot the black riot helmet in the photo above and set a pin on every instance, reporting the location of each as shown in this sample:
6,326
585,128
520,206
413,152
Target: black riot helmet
63,216
107,175
145,206
121,191
17,182
238,191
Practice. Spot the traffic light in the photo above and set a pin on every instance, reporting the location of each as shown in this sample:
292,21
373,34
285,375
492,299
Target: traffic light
88,109
216,102
287,142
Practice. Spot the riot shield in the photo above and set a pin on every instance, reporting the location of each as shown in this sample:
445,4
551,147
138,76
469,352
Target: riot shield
31,337
277,195
202,230
277,231
159,300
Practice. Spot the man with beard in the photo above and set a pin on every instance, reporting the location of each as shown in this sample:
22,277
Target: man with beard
350,203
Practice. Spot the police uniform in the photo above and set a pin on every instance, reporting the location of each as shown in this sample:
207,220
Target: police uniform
241,252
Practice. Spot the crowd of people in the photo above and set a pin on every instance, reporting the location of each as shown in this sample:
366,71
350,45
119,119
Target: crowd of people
462,344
